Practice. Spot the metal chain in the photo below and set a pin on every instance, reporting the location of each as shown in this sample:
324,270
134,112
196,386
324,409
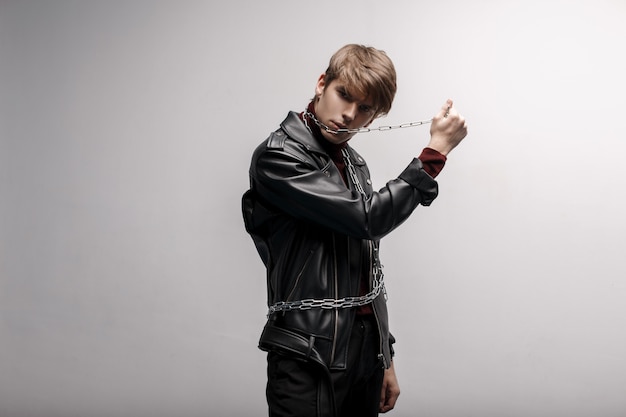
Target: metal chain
331,303
352,172
364,129
346,302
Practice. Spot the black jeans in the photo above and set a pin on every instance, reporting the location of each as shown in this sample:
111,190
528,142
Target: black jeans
297,388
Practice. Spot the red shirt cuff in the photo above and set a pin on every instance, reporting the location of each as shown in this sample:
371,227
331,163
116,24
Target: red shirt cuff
432,161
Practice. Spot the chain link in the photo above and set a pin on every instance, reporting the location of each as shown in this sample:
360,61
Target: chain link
364,129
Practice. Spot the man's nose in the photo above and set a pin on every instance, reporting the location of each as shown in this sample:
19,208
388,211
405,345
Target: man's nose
349,112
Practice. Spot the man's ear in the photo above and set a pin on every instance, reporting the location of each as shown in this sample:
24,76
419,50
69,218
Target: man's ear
321,84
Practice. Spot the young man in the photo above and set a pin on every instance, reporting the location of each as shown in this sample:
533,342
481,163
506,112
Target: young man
317,223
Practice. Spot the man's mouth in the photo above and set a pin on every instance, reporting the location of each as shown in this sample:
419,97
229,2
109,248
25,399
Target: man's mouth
338,126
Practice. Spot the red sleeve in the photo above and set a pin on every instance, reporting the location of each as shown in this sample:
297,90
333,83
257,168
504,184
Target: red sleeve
432,161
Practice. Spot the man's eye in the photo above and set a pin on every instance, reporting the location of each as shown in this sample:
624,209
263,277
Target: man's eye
365,109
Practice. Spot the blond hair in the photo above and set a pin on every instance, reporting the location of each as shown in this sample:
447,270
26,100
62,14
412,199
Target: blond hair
366,71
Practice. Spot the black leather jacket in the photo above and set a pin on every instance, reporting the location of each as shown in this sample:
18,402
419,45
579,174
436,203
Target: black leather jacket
315,236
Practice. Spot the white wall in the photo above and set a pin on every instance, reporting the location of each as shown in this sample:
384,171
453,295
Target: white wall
128,286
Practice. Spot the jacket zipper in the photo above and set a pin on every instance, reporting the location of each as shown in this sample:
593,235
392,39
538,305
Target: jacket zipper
381,355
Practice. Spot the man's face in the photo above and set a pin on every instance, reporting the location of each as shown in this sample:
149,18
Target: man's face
339,108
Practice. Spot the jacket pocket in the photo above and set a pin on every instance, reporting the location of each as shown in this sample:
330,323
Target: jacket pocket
298,278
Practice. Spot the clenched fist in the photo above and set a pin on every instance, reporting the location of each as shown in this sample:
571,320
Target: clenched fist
447,129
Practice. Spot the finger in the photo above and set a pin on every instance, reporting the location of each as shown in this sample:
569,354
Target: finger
446,107
391,402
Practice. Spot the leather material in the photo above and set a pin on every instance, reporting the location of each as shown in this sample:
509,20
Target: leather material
316,236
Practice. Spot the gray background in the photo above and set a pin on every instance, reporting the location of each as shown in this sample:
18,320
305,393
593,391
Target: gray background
128,286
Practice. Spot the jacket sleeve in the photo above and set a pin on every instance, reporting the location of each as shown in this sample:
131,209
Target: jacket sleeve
295,181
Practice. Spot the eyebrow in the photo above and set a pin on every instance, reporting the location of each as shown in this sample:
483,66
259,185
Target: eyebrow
346,91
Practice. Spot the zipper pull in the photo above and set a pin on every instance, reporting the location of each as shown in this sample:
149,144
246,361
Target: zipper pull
382,359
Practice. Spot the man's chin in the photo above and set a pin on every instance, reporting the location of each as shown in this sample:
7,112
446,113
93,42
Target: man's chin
336,138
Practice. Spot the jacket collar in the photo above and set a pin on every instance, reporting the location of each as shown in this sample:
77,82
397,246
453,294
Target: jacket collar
297,130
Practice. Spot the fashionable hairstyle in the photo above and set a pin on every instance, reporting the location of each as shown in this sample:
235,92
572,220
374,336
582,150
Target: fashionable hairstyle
367,71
